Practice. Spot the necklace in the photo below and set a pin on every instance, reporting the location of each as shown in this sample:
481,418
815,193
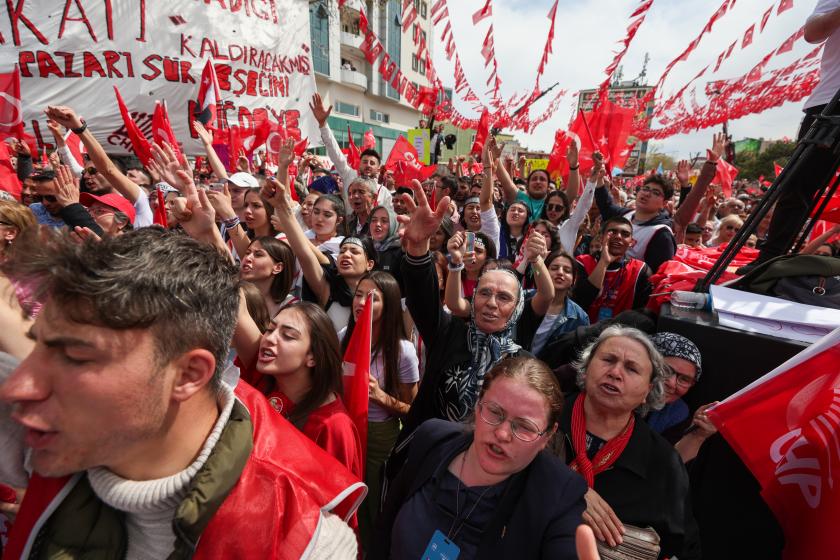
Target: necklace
453,531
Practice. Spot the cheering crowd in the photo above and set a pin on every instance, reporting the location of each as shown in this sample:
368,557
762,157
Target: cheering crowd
173,338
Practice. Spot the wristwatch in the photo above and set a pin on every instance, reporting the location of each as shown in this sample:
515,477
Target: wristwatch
81,129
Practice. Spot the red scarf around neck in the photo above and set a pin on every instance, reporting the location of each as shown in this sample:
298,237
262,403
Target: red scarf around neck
606,456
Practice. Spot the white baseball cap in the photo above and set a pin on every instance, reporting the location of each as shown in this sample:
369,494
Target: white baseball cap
244,180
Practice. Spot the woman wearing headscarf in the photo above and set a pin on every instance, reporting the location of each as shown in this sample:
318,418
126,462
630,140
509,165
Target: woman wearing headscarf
459,352
384,230
636,479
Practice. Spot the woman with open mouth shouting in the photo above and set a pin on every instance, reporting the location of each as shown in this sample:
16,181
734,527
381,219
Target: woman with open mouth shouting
492,491
634,475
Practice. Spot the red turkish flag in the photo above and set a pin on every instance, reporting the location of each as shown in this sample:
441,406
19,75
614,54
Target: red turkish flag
784,427
357,372
404,163
481,132
610,126
160,212
748,37
162,130
369,140
354,159
558,165
139,143
764,18
74,144
487,48
482,13
257,136
9,181
725,175
301,146
777,168
784,6
11,107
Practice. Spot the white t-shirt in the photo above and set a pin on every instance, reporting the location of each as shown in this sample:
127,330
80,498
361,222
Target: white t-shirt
830,65
143,216
409,372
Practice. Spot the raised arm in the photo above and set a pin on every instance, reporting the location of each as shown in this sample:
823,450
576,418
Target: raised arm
569,229
820,240
246,335
278,196
67,117
573,187
820,26
685,213
535,252
321,112
509,190
206,138
62,149
453,295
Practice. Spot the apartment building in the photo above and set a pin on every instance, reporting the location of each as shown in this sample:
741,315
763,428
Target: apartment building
361,99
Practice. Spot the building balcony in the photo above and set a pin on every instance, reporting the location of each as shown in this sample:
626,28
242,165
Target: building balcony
351,41
354,79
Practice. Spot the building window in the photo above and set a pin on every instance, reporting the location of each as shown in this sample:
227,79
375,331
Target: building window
422,67
346,108
414,62
394,38
319,28
379,116
423,9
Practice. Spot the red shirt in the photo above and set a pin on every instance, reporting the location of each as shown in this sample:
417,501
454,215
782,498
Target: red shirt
329,426
619,288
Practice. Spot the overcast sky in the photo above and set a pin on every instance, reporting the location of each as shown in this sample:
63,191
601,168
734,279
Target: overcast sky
586,36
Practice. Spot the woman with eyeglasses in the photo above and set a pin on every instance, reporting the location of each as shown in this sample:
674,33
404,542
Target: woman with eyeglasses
490,490
635,477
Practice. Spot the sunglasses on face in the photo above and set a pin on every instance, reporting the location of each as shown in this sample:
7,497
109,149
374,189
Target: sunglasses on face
90,170
555,207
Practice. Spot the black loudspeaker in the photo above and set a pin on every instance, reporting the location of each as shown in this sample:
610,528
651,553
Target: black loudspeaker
734,520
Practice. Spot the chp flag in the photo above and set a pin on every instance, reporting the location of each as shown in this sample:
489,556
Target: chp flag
786,429
155,51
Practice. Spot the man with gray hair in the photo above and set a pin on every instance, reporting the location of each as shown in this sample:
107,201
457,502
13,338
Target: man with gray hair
139,450
362,198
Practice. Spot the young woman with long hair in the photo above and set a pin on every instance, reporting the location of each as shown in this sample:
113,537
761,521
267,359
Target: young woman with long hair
269,264
297,365
393,379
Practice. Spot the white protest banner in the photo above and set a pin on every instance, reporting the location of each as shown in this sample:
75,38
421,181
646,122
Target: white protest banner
71,52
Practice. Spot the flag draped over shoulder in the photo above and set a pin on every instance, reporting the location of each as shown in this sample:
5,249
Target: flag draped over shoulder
785,427
357,372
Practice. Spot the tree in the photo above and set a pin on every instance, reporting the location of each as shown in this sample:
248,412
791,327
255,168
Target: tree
655,156
752,165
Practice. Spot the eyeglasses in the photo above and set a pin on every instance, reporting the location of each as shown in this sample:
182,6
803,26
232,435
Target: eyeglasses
683,380
654,192
620,232
555,207
523,430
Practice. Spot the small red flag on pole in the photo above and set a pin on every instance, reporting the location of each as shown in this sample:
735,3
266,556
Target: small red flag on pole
357,372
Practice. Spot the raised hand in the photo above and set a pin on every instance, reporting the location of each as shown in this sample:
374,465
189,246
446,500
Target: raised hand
494,147
166,164
65,116
601,518
222,203
421,222
536,247
572,154
57,133
204,135
683,171
718,147
597,173
195,214
66,186
456,247
286,155
319,111
20,148
277,194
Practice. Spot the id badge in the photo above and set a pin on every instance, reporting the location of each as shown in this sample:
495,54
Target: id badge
441,548
605,313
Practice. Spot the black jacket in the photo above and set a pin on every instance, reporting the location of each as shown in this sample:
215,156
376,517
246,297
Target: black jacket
537,514
647,487
77,215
